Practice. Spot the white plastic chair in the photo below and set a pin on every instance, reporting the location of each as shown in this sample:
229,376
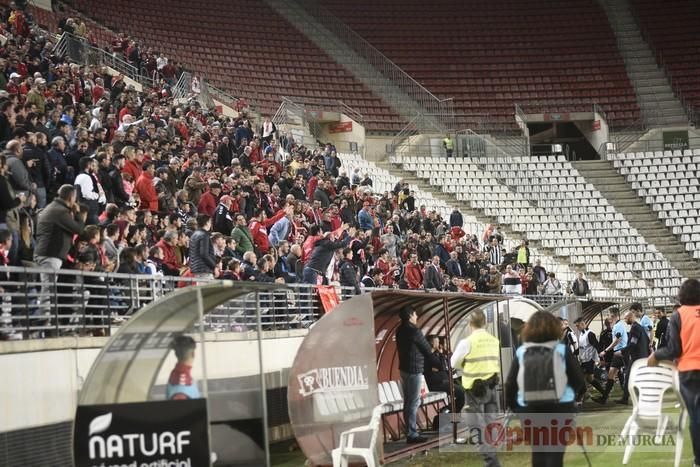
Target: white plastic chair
652,383
347,448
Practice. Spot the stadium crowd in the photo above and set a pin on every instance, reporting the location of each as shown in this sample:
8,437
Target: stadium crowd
98,176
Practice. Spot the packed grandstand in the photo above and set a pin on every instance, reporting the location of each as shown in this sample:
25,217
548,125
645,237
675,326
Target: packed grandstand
152,164
506,159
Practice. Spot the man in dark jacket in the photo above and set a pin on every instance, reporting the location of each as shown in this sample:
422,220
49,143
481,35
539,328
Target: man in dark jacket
121,197
456,219
223,221
56,225
322,254
433,276
452,267
413,350
202,258
348,273
104,164
637,347
661,327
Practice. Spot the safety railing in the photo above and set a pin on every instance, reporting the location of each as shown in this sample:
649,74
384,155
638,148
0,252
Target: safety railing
80,51
657,144
183,87
49,303
295,116
40,303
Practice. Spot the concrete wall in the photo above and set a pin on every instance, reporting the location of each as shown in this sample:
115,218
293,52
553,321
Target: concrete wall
42,377
342,140
595,137
375,148
44,4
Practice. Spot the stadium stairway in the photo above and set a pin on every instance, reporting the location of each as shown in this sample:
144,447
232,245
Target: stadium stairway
659,105
605,178
466,208
323,36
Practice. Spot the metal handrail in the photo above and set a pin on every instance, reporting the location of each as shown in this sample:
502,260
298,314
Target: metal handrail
79,50
79,302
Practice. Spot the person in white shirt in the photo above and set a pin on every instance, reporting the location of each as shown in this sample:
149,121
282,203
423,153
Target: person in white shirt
127,122
268,130
161,61
89,189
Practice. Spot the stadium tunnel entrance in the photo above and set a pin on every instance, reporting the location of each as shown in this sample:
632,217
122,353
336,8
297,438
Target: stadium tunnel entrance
577,135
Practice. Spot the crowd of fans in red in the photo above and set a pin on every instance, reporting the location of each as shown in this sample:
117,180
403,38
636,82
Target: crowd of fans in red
98,176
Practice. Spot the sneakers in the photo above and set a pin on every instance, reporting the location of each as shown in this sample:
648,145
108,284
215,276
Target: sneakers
416,440
600,400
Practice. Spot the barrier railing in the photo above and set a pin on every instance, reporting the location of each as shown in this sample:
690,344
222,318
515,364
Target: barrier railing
80,51
40,303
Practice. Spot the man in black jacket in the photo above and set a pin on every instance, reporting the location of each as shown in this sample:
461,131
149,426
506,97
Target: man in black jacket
661,327
456,219
321,255
433,275
202,259
121,198
637,347
413,350
348,273
104,163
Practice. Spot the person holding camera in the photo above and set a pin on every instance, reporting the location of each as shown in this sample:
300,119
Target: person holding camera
478,356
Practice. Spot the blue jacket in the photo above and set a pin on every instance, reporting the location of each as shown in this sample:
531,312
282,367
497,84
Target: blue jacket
279,231
365,220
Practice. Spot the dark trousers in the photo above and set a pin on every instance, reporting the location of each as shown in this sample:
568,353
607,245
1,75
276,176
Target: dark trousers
690,390
547,459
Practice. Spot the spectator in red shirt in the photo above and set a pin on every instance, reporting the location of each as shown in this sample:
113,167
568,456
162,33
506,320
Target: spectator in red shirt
413,273
259,232
133,165
168,244
98,91
209,199
144,187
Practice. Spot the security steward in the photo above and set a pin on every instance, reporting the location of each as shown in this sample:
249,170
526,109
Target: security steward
478,357
449,146
683,345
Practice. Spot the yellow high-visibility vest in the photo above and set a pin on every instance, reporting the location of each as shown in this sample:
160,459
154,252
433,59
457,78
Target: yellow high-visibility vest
449,144
483,358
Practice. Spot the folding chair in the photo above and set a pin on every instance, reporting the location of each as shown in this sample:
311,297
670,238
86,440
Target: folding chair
347,447
651,384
